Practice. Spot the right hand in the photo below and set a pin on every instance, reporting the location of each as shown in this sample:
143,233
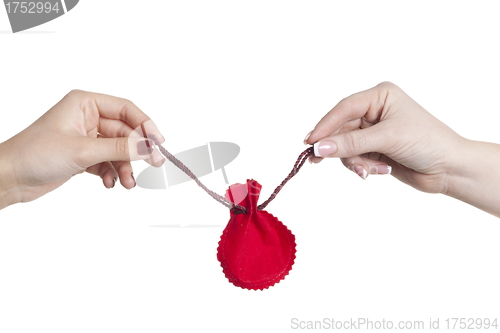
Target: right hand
394,133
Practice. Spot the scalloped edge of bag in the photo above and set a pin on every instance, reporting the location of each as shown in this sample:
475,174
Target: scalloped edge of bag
257,286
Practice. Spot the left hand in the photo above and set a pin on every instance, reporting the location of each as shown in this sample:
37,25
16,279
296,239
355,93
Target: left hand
83,132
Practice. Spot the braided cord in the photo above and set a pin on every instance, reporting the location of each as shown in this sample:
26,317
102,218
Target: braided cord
237,209
300,162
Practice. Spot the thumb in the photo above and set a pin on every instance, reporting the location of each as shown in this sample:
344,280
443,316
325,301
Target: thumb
96,150
352,143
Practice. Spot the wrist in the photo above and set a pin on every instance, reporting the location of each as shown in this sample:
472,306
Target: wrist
9,193
474,175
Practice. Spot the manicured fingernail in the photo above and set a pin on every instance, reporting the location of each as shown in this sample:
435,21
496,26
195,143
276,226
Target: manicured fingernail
324,148
360,171
144,147
307,137
149,129
381,169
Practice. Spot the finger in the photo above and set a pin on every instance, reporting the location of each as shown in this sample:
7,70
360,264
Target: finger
112,128
368,104
364,166
155,159
116,108
106,171
115,128
315,160
92,151
353,143
349,126
92,133
125,174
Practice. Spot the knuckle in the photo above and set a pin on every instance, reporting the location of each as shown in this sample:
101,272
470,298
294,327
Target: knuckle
353,143
127,102
81,98
347,162
386,84
123,130
126,106
75,93
121,147
389,86
81,154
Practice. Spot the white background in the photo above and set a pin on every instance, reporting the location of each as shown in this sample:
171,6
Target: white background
259,74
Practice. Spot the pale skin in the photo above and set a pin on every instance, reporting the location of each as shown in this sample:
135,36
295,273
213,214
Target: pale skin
382,128
84,132
377,131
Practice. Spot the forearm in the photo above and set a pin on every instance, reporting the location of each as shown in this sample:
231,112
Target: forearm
475,176
8,190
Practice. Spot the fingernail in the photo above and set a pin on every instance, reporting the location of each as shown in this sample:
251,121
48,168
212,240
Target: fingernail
360,171
132,175
324,148
381,169
307,137
144,147
114,182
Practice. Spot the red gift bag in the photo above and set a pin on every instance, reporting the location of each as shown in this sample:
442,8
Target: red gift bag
256,250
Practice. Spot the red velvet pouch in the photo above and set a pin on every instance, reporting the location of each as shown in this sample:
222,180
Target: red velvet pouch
256,250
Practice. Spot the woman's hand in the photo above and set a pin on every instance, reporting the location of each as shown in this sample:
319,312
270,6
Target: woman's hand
85,131
382,128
